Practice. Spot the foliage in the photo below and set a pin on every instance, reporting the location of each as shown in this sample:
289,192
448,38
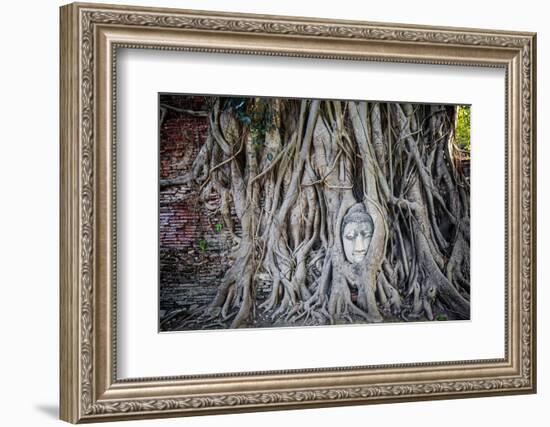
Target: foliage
254,113
203,244
463,127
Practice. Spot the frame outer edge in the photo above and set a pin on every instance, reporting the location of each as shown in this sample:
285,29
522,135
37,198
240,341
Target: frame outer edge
533,207
69,354
78,403
301,19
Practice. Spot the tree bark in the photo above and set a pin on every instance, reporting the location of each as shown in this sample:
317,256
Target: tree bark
289,171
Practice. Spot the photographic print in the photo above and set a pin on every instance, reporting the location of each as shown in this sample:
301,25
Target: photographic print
278,212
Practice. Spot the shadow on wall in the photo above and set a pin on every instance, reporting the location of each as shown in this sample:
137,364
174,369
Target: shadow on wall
48,409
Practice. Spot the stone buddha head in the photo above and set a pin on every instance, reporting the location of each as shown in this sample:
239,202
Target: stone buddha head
357,229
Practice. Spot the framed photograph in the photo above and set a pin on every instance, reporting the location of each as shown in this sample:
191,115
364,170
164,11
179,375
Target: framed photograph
267,212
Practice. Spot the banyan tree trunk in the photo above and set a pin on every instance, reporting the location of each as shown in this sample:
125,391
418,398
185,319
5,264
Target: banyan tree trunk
287,173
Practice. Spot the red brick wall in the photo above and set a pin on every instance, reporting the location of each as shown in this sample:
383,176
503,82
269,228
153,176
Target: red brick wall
192,247
181,137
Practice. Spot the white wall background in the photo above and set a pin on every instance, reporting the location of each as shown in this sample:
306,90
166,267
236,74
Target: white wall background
29,171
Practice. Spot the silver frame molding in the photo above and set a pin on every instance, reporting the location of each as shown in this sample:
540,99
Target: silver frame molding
90,36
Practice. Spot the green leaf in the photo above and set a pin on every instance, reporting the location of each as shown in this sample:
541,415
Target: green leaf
269,156
203,244
218,227
441,317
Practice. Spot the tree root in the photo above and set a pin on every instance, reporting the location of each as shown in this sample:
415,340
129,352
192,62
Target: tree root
282,185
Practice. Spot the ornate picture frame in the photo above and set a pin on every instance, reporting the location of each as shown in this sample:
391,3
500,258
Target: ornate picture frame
90,388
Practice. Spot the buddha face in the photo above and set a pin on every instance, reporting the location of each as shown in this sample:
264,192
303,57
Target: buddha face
356,240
